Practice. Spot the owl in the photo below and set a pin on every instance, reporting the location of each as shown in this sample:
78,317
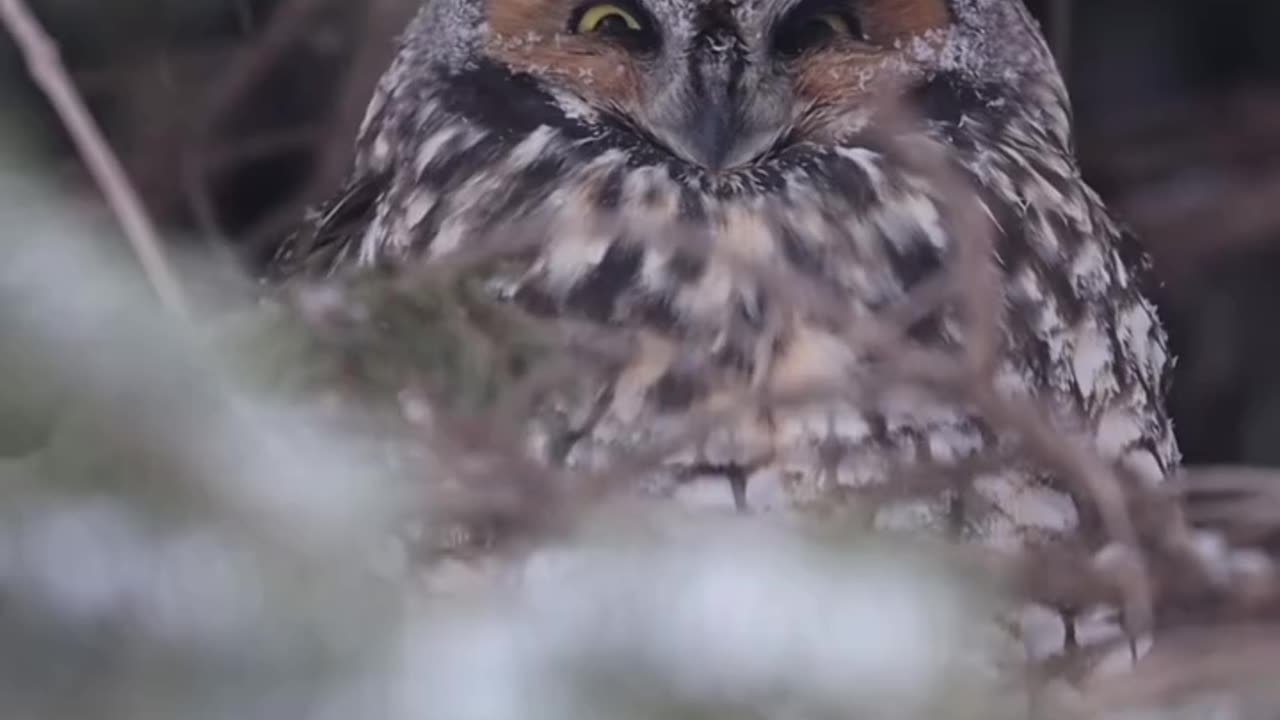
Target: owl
737,186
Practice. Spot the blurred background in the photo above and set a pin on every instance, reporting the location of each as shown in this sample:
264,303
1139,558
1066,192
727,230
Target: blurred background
233,115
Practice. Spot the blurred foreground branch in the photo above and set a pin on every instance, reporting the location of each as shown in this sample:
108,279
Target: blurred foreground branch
46,69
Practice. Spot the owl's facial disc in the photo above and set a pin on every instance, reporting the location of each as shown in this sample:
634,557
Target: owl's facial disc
718,84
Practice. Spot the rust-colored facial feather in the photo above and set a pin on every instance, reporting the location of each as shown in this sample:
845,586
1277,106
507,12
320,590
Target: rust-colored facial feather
531,35
890,20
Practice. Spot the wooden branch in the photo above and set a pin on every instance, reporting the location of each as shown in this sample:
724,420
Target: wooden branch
45,67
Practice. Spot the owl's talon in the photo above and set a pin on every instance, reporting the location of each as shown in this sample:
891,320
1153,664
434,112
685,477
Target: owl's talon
734,474
1070,641
738,486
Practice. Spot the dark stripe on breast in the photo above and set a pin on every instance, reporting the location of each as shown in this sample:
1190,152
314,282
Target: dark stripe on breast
597,295
686,266
455,163
675,391
915,262
852,185
797,252
527,190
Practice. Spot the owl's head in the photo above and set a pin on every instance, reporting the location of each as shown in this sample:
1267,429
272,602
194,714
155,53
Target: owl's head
722,84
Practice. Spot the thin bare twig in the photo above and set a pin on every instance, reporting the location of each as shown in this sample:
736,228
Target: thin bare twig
248,67
46,69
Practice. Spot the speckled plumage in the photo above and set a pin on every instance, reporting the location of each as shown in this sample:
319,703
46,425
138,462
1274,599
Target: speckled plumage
469,138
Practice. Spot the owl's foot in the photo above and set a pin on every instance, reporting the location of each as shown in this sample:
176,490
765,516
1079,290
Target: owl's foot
704,484
1085,644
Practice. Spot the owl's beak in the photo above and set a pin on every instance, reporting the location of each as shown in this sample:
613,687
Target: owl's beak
717,131
714,126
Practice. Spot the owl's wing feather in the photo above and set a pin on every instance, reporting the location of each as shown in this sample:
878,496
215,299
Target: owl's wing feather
324,241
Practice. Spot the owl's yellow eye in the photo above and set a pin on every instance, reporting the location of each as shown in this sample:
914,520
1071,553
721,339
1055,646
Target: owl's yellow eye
834,23
808,27
608,19
624,23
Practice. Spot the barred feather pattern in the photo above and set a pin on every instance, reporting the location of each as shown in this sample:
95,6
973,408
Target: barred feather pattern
458,150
